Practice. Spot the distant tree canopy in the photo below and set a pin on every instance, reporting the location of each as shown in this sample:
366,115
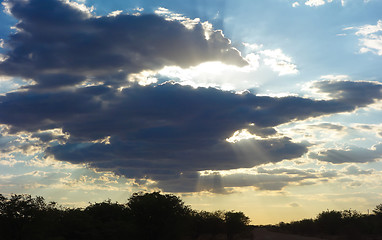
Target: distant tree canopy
351,223
144,216
378,210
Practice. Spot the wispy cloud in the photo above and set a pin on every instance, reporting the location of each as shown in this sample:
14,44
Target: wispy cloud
370,37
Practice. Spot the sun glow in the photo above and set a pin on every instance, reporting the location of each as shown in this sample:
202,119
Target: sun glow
209,74
241,135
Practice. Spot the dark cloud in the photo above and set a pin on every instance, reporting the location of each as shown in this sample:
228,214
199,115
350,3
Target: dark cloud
349,91
351,155
329,126
57,44
165,133
295,205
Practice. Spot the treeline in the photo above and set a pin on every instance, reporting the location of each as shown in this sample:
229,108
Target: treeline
350,224
145,216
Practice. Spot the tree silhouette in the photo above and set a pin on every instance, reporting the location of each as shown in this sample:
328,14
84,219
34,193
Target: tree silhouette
158,216
236,222
207,223
329,221
378,210
153,216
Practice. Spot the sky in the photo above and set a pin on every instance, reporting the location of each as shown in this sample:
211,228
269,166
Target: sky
272,107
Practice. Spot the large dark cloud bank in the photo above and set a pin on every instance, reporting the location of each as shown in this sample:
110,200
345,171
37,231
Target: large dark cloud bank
168,132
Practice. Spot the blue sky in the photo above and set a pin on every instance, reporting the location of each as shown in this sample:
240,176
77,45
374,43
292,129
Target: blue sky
268,107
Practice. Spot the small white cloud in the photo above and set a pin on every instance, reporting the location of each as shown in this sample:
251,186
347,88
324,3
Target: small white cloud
273,58
276,54
253,46
314,3
295,4
115,13
279,62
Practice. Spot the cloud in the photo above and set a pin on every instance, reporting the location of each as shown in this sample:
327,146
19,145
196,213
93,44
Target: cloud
355,170
295,205
314,3
370,37
72,45
30,180
348,91
209,74
77,111
265,179
328,126
279,62
295,4
350,155
288,171
169,131
274,58
373,128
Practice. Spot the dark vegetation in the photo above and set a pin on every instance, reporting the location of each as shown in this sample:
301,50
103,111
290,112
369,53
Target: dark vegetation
145,216
347,224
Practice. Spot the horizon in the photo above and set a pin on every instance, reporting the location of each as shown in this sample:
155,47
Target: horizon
269,108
